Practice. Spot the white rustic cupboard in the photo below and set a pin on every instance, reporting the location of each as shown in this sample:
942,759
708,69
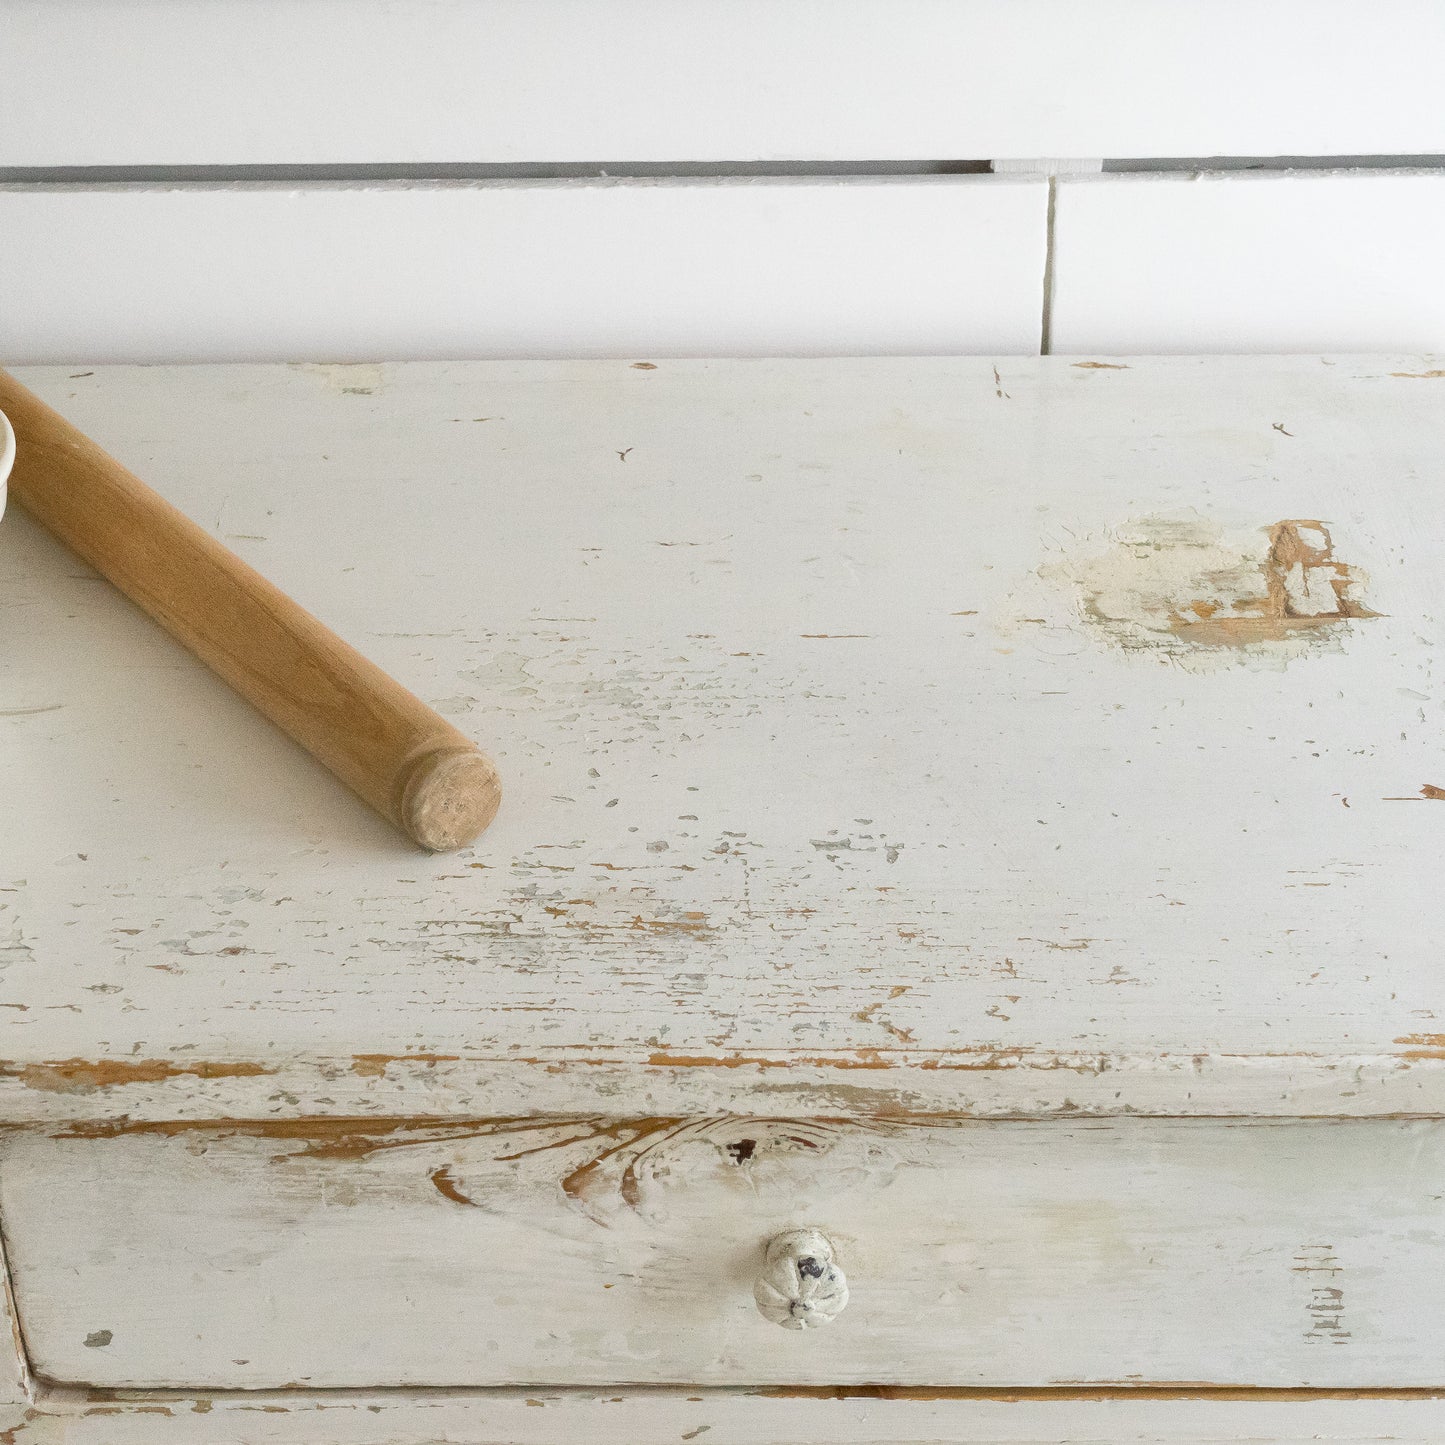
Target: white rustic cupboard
987,814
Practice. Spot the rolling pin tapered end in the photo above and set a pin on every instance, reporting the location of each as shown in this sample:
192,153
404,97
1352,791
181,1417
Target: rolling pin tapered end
448,798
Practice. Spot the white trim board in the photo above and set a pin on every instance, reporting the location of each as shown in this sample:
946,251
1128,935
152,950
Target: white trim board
338,273
1314,261
154,82
1221,262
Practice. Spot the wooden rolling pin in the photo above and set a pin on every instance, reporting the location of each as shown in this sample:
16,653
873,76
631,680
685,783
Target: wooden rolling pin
409,763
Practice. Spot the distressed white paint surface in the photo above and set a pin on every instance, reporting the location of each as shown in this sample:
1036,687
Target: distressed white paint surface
663,1417
575,268
1249,262
592,1251
852,758
144,82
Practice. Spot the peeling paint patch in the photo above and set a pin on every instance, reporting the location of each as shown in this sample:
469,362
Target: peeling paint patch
374,1066
1179,585
1419,1047
84,1076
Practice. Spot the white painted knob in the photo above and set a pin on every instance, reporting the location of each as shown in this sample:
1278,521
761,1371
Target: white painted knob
800,1287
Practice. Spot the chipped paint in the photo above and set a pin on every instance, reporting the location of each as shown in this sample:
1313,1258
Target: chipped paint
864,1060
321,1131
1418,1047
1181,586
374,1066
84,1076
1325,1305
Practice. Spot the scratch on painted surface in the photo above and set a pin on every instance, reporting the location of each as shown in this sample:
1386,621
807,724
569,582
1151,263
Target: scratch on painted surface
14,946
1325,1306
1176,584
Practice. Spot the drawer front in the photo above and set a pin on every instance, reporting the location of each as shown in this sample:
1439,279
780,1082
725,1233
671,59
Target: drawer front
601,1251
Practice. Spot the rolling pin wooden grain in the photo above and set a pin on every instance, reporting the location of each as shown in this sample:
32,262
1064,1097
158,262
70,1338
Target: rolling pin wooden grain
385,744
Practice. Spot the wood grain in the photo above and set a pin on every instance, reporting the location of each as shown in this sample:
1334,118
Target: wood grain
607,1250
396,753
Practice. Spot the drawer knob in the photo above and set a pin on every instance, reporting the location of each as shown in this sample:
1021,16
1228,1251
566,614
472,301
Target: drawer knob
800,1287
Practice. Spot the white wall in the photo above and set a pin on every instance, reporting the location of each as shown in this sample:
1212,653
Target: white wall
1332,261
128,258
576,268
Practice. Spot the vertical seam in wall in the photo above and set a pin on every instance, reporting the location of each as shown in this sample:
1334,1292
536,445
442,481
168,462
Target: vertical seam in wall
1046,317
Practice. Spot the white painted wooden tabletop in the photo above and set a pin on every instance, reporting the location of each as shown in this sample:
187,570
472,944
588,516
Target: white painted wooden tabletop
883,734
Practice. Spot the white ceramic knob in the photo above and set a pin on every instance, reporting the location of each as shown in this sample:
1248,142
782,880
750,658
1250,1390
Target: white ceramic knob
800,1286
